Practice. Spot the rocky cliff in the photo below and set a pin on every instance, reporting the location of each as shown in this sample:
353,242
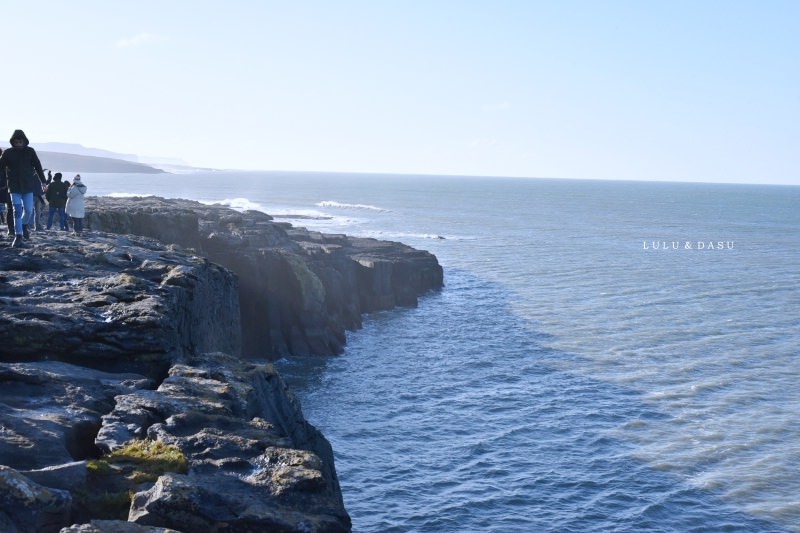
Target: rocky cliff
299,290
124,402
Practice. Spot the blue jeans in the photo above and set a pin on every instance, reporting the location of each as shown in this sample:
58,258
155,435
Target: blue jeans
23,209
62,217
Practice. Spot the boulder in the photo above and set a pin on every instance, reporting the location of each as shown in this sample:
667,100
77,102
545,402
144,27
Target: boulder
253,460
227,504
114,526
27,507
50,413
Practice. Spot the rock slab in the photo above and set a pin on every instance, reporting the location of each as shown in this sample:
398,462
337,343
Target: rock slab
109,340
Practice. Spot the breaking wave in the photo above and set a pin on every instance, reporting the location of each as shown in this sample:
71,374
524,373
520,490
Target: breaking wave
240,204
339,205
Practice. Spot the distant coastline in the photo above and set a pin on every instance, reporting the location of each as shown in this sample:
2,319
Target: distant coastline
60,162
68,158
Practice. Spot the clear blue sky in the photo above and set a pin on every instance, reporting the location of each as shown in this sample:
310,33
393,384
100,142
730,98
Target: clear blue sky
650,90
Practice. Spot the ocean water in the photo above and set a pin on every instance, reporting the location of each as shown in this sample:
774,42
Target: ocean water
605,356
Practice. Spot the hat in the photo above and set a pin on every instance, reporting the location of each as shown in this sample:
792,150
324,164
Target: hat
77,178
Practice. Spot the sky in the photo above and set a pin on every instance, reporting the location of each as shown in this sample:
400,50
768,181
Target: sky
699,90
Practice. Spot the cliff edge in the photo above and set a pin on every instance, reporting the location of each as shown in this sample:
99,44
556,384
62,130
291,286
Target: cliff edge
119,410
299,290
125,402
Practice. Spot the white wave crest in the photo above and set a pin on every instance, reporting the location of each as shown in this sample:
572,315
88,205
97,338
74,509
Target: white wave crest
339,205
300,214
240,204
399,235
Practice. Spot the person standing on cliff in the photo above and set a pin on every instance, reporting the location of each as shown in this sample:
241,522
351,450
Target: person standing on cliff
75,206
57,198
21,166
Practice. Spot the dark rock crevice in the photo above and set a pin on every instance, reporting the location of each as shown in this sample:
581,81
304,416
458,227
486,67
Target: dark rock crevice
79,440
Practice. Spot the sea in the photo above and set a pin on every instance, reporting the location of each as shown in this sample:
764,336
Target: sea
605,356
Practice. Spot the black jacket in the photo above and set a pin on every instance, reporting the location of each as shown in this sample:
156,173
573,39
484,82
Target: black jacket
57,194
18,164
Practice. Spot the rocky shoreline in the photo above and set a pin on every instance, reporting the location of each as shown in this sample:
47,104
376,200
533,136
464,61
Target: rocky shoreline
144,339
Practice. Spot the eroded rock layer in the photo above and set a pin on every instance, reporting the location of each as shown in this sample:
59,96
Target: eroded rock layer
299,290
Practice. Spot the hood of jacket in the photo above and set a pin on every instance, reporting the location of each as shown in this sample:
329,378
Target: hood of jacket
18,134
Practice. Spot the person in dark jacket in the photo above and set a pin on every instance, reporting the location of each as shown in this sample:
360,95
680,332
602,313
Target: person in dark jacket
57,198
19,164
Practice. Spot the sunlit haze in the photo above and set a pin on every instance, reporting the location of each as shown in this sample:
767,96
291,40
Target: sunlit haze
686,90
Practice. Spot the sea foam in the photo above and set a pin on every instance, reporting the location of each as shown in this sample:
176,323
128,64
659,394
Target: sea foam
340,205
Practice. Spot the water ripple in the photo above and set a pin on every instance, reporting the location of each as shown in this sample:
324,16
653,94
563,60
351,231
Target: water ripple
461,437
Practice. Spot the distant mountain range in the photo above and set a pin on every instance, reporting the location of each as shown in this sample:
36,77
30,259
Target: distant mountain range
66,158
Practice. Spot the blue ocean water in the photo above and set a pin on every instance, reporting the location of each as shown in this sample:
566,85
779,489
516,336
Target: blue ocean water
605,356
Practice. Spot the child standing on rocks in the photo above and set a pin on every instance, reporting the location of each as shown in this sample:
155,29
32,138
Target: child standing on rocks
75,206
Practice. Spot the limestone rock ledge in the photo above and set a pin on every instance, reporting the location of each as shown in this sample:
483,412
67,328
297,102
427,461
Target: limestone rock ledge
108,341
299,290
113,301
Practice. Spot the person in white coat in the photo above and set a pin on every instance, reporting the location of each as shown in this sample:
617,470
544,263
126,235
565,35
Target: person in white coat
75,206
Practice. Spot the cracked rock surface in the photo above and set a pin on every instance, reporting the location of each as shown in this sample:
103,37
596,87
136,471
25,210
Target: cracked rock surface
109,340
113,302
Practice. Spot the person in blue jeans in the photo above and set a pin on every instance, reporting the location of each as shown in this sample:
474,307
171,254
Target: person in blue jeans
19,163
57,199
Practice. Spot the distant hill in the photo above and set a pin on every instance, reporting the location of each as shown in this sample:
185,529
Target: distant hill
70,157
60,162
79,149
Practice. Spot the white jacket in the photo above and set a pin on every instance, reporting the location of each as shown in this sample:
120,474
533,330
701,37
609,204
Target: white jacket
75,207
